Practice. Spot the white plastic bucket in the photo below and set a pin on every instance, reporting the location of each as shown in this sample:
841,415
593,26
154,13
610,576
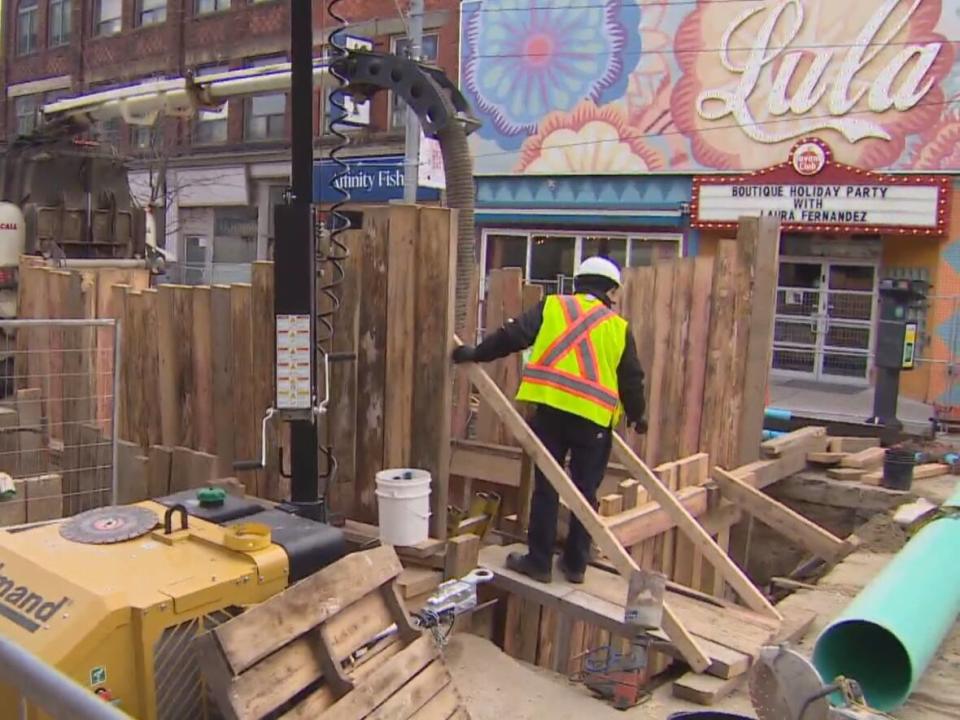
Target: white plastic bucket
403,500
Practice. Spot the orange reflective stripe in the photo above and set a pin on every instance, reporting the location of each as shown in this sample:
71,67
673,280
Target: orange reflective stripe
552,377
577,331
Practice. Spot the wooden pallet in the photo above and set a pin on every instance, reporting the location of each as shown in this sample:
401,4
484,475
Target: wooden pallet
295,655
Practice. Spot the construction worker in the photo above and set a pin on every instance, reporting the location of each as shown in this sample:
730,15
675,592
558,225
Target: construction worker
582,373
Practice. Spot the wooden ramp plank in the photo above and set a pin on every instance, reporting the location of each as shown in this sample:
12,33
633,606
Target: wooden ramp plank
778,516
693,530
568,492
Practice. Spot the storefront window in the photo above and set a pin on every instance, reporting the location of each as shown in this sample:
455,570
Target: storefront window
505,251
551,262
613,248
646,252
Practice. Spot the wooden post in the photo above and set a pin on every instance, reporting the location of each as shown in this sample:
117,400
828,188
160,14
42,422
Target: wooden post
221,332
247,444
762,236
264,364
204,427
578,505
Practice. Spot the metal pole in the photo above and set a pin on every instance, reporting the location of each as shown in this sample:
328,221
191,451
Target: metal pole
295,252
115,415
49,689
411,163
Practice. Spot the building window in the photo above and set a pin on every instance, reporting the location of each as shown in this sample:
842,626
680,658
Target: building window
106,17
28,17
26,108
141,137
265,115
107,132
151,12
210,126
551,259
205,7
428,54
59,21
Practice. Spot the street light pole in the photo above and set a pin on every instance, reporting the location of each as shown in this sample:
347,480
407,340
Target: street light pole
411,163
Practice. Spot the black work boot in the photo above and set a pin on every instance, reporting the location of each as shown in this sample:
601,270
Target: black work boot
575,577
522,564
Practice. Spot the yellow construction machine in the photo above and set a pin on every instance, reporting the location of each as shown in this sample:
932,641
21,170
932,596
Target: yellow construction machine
114,597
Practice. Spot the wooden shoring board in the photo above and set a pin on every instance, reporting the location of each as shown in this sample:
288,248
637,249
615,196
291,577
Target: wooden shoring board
687,524
578,505
730,636
778,516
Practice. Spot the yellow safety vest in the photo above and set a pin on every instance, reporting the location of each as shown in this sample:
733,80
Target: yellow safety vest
573,364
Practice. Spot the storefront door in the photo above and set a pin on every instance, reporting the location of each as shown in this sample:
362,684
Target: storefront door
824,320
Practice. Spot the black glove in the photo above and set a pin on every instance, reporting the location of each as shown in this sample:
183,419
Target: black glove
639,426
463,354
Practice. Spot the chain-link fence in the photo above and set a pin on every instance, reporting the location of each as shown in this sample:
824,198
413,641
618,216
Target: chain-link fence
57,418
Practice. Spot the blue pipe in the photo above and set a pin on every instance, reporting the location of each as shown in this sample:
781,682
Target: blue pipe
772,413
771,434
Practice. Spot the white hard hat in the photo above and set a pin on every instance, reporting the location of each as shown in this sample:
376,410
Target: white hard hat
600,266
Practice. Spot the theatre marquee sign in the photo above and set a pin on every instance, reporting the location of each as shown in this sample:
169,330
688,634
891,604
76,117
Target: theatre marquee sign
813,192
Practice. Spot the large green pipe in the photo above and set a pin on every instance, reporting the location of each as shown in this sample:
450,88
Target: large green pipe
887,636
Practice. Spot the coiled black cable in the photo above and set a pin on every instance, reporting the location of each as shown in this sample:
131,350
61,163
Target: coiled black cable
335,253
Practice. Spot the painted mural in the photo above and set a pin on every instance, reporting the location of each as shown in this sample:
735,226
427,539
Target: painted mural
634,86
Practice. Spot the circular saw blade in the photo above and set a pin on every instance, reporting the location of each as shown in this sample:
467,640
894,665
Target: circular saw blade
108,525
781,682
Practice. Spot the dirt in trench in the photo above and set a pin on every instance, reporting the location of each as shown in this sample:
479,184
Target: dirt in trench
880,534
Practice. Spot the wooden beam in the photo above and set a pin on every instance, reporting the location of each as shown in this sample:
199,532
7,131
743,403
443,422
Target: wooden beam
578,505
867,458
787,522
694,531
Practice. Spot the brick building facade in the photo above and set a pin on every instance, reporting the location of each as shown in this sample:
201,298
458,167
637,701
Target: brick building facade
218,175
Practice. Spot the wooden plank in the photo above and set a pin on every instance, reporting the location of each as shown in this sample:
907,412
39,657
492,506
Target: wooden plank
34,459
704,689
13,510
674,392
525,492
630,492
650,519
441,706
930,470
787,522
342,412
528,632
600,533
10,441
696,368
716,412
191,469
246,423
868,458
414,695
371,363
352,627
44,495
846,473
546,648
778,446
611,504
169,368
161,465
268,626
149,388
375,688
461,556
852,444
692,529
461,408
762,267
264,362
221,333
656,410
401,339
432,400
204,434
669,475
57,288
132,473
825,458
414,581
637,299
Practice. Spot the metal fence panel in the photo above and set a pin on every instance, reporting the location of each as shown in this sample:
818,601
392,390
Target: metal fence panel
57,418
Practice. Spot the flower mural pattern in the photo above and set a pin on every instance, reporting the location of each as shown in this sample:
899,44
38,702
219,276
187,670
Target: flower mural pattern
711,85
528,58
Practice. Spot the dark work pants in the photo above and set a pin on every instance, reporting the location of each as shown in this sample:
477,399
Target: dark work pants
588,445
